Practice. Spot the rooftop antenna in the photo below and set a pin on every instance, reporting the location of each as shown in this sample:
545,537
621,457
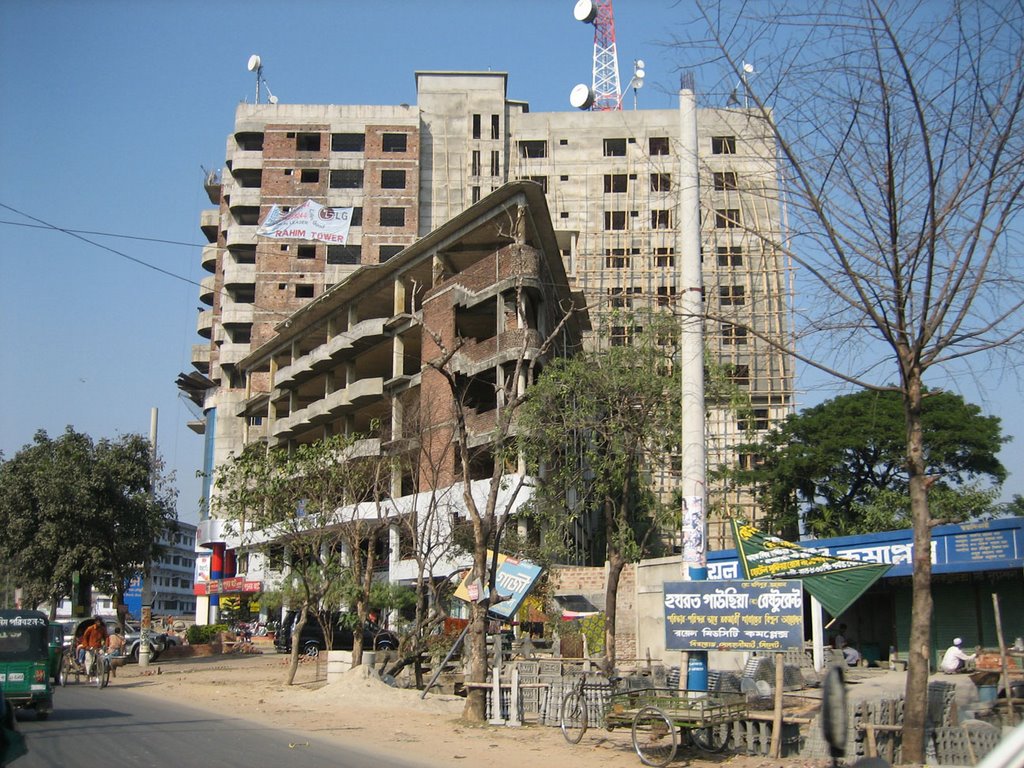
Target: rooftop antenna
639,72
745,72
604,93
255,65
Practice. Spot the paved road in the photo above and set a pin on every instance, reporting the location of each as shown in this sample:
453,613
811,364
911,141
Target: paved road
91,727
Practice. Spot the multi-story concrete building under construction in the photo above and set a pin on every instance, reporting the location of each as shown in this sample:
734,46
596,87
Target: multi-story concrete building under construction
612,181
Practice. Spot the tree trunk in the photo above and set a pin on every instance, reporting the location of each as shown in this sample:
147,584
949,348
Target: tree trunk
293,666
916,694
611,591
475,710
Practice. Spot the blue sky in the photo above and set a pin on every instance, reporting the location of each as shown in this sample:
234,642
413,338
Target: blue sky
112,109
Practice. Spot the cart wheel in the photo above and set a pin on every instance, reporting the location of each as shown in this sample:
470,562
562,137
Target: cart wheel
64,671
103,668
710,739
654,737
574,716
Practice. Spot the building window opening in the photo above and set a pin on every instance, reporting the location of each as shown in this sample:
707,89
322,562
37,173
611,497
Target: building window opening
727,218
476,126
387,251
730,255
733,335
723,145
348,142
394,142
614,182
614,220
306,252
725,180
392,179
614,147
303,291
658,145
343,254
495,127
661,219
616,258
533,148
307,142
309,176
661,182
347,179
392,217
731,295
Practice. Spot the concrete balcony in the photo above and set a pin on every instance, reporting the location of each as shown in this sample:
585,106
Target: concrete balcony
230,353
204,325
240,234
330,408
209,223
209,258
201,357
236,314
207,287
239,274
245,196
241,158
360,336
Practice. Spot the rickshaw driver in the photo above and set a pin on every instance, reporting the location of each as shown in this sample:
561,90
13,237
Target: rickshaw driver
94,639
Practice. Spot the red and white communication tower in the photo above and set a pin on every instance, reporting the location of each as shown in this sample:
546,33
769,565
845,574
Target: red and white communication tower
604,93
605,85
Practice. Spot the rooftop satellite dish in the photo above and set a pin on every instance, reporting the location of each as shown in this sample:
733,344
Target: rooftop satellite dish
639,64
748,68
254,63
581,96
272,99
585,11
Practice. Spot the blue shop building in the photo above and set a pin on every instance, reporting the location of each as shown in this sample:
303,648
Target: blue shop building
971,562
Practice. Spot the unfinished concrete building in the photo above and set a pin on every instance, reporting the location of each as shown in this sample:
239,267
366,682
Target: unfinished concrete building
611,180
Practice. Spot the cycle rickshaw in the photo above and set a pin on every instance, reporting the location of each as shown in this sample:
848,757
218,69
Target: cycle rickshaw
95,667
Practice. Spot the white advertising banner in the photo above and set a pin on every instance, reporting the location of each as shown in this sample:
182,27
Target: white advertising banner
309,221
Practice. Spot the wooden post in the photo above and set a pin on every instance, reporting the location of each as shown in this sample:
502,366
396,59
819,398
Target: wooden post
776,745
1002,656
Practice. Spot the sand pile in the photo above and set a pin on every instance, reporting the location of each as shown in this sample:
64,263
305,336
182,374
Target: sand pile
364,685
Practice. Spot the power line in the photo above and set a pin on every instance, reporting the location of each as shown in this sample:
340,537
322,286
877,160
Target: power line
102,234
122,254
78,235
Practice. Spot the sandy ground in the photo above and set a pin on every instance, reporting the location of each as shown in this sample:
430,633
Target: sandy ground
362,711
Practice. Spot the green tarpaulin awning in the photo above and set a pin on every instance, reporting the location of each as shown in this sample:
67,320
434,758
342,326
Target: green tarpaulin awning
836,582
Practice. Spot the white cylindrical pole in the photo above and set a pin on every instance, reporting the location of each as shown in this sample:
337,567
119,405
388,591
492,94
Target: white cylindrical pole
147,580
691,360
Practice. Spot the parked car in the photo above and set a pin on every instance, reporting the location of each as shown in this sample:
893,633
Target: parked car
132,635
312,640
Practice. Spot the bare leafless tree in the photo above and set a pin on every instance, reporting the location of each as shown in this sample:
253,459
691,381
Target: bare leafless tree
488,516
901,156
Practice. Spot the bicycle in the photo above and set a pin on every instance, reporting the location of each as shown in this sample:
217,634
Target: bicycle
97,665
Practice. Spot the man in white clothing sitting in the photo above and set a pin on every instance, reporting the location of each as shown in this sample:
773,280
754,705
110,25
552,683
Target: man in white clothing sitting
955,660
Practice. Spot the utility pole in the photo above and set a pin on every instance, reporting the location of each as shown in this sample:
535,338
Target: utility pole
691,361
147,580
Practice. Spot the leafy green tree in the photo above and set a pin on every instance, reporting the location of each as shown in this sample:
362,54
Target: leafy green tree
297,498
592,427
841,465
71,506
